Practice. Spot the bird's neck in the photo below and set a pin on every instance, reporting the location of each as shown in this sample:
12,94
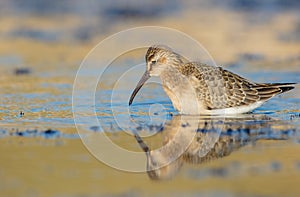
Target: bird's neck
171,76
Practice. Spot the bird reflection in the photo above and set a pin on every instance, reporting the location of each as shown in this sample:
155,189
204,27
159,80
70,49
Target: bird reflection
190,139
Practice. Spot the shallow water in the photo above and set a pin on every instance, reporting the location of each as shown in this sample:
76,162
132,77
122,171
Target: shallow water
42,153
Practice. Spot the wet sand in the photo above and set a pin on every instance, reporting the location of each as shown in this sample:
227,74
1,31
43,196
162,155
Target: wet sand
39,167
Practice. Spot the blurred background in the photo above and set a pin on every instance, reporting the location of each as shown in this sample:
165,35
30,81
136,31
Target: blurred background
42,45
226,28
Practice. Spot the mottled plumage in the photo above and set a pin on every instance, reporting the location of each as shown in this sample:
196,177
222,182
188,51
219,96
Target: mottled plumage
220,88
196,88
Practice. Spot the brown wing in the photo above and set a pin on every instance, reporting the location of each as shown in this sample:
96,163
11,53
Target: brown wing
219,88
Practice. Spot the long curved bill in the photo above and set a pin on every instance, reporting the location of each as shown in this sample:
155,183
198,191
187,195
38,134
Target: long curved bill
142,81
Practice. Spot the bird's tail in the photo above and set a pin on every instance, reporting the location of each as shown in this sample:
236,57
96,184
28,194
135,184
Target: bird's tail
268,90
284,87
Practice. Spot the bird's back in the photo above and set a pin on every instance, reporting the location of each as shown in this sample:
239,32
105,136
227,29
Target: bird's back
219,89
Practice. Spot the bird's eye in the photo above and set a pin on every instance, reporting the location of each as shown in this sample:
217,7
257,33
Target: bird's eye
153,62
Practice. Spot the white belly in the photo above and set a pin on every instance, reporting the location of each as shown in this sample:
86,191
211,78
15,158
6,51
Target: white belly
234,110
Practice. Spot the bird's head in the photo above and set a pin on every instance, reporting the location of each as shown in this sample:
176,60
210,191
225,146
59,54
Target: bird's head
159,58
